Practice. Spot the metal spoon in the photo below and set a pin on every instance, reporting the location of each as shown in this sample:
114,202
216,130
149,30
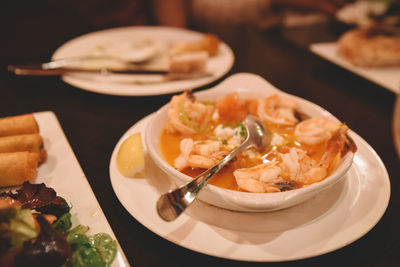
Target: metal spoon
170,205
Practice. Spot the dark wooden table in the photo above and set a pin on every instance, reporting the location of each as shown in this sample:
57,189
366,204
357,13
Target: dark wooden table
93,123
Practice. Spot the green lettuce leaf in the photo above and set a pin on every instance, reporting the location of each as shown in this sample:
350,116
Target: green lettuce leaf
105,245
17,225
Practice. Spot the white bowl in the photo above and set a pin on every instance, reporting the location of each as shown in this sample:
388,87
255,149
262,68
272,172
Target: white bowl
248,86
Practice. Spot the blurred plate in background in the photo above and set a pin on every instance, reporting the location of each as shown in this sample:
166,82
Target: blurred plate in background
385,77
118,41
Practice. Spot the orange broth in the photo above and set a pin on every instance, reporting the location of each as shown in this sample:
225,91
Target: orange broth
169,143
170,149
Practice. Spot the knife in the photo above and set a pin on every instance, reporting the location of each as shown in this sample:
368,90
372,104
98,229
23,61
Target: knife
65,66
37,70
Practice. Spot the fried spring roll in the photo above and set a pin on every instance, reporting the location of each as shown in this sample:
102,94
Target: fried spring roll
24,142
17,167
21,124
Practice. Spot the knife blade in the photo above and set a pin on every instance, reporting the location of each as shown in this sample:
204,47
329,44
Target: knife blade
39,70
185,67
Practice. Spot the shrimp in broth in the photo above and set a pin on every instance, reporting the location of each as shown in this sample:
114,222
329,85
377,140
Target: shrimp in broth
198,134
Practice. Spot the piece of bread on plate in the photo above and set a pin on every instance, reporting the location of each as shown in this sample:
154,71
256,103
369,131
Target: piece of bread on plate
371,47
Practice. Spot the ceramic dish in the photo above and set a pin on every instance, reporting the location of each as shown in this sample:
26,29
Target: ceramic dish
139,85
247,86
329,221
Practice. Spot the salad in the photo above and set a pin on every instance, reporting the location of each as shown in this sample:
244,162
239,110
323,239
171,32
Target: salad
36,230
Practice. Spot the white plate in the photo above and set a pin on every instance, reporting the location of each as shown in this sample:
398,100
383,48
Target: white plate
386,77
62,172
333,219
129,85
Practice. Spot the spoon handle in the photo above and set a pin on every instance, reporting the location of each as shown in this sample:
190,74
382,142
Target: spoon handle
173,203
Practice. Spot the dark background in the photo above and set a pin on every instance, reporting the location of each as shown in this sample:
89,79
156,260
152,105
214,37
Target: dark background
93,123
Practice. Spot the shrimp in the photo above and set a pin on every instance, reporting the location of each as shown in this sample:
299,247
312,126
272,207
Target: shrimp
278,110
199,154
335,148
298,166
186,145
206,154
187,116
328,161
259,179
206,148
205,162
295,164
317,130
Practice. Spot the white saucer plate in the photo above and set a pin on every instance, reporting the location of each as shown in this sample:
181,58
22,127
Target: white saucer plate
139,85
388,78
333,219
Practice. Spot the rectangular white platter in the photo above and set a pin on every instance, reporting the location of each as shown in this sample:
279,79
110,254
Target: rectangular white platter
385,77
62,172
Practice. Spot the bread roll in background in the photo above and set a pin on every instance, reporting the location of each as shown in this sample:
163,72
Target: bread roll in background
209,43
24,142
370,50
17,167
16,125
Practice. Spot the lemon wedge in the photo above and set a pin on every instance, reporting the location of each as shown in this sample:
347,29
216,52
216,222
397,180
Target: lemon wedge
130,157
